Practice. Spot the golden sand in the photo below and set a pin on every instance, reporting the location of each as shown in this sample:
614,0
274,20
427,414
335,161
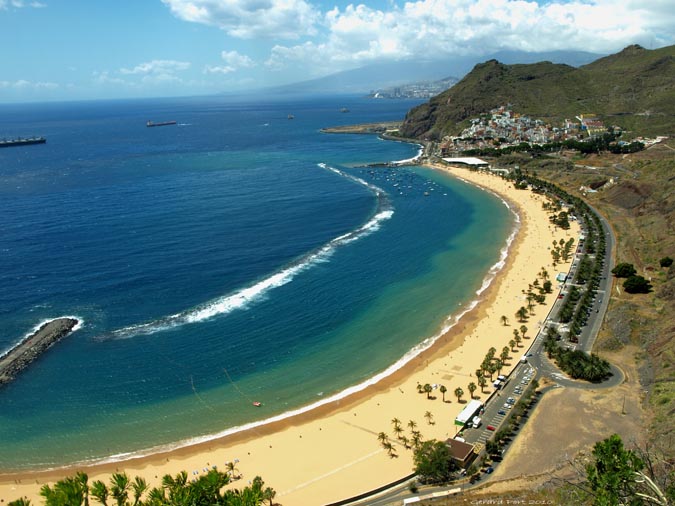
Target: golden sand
333,453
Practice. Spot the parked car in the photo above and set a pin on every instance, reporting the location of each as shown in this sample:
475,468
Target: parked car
489,470
501,412
490,427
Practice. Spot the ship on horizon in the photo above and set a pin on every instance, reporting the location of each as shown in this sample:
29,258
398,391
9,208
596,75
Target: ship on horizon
159,123
4,143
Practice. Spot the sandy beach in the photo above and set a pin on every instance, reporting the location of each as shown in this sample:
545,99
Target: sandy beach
333,453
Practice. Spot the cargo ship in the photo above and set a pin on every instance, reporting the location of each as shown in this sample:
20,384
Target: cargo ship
159,123
4,143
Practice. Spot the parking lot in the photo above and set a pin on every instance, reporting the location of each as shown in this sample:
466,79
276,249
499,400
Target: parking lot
499,405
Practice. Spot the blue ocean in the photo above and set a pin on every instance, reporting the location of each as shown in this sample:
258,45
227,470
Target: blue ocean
238,256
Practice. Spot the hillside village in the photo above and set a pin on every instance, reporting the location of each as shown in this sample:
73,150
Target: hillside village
503,127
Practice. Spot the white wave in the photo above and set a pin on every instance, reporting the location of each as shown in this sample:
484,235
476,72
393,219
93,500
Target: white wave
242,298
450,322
407,161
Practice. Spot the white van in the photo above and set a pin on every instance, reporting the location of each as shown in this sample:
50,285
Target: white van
497,384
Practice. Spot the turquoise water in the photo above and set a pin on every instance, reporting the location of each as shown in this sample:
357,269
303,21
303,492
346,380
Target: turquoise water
236,257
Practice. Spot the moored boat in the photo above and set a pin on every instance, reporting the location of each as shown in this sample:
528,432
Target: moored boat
159,123
4,143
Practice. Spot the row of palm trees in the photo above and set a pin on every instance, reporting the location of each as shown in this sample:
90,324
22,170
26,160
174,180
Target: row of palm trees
208,490
459,392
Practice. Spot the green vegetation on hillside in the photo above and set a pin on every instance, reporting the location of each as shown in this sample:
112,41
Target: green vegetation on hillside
633,89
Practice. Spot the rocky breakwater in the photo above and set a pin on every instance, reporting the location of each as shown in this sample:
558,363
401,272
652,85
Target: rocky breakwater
19,357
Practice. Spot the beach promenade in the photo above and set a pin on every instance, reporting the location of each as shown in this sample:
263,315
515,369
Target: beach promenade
333,452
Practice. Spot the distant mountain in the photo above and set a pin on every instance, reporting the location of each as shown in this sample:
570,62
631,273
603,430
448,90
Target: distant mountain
634,89
391,74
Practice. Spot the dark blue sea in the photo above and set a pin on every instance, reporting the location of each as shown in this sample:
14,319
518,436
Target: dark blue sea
234,257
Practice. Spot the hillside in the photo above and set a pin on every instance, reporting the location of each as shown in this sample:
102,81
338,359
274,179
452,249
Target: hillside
634,89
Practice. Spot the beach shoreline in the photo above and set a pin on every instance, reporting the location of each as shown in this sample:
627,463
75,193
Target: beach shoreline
331,469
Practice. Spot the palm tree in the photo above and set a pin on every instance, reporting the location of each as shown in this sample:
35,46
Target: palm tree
390,449
505,320
396,422
482,382
382,437
157,496
398,430
119,488
416,438
521,314
512,344
498,366
516,333
530,303
472,388
24,501
269,494
412,424
231,467
139,486
458,393
100,492
504,355
523,330
428,390
443,389
491,370
429,417
518,340
406,442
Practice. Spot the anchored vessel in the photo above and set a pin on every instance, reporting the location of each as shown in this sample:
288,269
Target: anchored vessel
160,123
4,143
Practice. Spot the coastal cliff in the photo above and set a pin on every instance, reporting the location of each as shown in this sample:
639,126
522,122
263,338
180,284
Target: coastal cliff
19,357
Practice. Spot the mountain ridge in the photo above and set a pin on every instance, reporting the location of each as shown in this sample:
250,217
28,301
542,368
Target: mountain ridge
633,89
367,78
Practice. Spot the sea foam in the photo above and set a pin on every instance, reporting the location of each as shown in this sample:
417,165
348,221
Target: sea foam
248,295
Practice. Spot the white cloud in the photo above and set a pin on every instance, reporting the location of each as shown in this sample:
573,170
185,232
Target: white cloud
237,60
358,34
233,62
105,78
18,4
22,84
157,67
247,19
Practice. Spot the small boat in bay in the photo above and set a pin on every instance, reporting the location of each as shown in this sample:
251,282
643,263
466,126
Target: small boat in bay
257,404
159,123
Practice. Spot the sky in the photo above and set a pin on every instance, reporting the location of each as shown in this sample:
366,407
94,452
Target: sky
106,49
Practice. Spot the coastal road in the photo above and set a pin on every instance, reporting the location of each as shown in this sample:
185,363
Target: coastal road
497,409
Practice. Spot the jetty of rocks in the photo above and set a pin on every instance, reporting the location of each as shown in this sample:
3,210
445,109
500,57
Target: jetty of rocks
19,357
